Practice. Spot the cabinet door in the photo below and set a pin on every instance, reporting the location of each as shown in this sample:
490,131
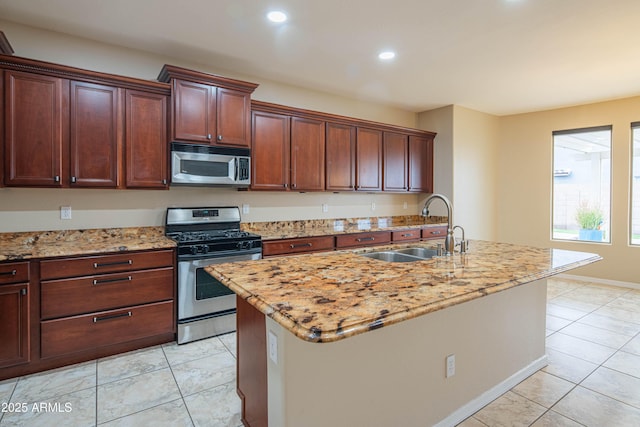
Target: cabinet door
340,157
395,161
270,142
368,160
233,118
194,111
34,120
307,154
420,164
14,324
146,140
95,135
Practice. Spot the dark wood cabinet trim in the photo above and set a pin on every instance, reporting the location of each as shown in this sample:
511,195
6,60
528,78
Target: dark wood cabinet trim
62,71
268,107
169,72
5,46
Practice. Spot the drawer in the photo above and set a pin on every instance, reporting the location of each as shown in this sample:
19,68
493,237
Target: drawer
439,232
91,265
293,246
404,235
78,333
14,272
66,297
363,239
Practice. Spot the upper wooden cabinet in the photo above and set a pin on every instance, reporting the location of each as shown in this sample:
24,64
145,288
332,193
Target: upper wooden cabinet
96,135
270,151
287,152
66,127
146,160
420,164
303,150
340,150
307,154
368,160
396,156
36,128
209,109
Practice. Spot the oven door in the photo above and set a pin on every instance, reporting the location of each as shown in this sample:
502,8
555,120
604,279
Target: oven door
199,293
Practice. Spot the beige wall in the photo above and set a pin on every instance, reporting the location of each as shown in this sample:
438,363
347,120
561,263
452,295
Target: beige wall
465,166
525,180
38,209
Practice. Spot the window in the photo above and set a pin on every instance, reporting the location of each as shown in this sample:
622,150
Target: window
582,184
635,184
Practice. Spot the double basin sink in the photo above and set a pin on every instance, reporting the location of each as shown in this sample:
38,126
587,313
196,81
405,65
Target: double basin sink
403,255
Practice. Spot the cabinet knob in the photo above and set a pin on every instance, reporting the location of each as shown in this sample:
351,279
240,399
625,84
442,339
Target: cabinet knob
285,185
56,178
164,182
209,136
73,179
219,137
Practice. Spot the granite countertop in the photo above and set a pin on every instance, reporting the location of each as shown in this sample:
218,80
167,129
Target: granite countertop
44,244
274,230
329,296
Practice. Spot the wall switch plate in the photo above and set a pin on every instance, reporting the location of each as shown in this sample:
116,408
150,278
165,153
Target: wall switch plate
451,365
273,347
245,208
325,207
65,212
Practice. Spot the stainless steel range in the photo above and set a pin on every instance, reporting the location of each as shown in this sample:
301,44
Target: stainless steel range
207,236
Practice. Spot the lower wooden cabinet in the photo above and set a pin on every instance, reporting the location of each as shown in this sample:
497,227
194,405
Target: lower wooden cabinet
300,245
406,235
439,232
363,239
14,324
59,311
77,333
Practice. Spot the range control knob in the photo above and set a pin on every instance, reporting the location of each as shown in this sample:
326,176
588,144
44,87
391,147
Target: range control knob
204,249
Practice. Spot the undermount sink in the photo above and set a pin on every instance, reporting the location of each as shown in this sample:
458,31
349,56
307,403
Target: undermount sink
403,255
419,252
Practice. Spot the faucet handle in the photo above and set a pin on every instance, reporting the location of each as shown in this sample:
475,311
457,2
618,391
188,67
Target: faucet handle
439,249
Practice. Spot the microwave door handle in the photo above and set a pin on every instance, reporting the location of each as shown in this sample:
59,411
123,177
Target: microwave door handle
235,173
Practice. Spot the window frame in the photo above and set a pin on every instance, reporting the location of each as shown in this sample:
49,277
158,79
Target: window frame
609,234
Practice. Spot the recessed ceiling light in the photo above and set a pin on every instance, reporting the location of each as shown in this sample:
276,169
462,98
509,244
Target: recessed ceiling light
386,56
277,16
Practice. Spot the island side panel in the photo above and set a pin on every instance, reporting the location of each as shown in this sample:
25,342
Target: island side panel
251,364
396,375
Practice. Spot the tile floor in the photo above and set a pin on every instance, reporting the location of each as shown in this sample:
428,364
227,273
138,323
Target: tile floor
593,377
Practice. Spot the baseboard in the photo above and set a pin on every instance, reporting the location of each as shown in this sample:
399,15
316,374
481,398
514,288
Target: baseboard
618,283
492,394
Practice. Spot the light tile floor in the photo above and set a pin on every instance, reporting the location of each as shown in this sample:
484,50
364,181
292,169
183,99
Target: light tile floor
593,377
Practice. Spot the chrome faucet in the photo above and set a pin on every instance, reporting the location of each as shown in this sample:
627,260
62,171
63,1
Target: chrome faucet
449,241
464,244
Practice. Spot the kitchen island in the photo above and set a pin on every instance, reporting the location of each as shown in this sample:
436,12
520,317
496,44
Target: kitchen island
337,338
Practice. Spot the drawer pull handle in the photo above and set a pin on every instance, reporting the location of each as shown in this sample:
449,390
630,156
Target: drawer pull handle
301,245
365,239
407,235
112,316
110,264
436,232
118,279
9,273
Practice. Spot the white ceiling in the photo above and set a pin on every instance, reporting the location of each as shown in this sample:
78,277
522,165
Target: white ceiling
496,56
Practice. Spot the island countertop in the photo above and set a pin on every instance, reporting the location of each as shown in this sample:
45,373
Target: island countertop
329,296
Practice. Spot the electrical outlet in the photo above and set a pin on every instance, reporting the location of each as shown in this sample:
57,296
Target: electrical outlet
65,212
373,206
273,347
451,365
245,208
404,205
325,207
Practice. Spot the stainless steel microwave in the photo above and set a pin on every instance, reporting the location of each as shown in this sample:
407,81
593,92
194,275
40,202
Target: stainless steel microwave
202,165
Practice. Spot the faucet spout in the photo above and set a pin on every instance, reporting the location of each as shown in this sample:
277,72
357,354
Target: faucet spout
449,241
